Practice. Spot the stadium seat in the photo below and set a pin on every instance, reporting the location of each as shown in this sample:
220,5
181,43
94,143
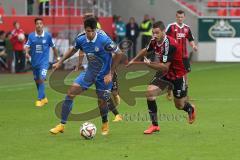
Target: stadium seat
238,12
222,12
13,11
235,3
1,10
213,3
223,3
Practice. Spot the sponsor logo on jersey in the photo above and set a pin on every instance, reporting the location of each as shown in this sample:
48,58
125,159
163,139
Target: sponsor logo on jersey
181,35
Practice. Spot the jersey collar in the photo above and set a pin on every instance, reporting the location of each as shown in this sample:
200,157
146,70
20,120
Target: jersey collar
42,35
164,39
94,39
179,25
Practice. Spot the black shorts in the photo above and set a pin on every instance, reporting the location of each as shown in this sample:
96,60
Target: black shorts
115,82
187,65
178,86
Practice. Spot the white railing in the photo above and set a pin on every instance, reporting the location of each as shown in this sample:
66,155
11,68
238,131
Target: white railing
79,7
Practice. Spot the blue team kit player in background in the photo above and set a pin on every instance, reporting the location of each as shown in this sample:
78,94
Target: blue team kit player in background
98,48
37,48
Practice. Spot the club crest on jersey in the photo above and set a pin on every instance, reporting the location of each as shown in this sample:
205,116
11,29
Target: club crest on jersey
96,49
185,30
44,41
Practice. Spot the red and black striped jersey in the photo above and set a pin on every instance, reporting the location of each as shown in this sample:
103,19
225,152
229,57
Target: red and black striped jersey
181,34
168,51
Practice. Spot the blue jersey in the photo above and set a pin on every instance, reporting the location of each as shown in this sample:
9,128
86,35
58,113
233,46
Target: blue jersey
39,48
98,51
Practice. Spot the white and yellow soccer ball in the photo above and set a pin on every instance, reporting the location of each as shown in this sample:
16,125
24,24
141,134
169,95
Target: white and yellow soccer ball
88,130
21,37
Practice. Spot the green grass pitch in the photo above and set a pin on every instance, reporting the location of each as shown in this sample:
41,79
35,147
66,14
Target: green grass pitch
214,88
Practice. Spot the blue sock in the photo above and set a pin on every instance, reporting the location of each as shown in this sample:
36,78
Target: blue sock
66,109
41,91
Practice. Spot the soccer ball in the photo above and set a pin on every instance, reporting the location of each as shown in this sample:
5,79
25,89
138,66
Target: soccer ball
21,37
88,130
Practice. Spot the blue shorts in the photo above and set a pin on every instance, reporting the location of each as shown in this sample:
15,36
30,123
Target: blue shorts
86,79
40,73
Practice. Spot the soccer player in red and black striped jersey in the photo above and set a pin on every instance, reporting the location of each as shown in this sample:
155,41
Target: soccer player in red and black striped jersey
182,33
170,70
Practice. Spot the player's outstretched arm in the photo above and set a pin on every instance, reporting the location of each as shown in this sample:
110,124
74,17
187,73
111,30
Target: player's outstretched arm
115,62
159,66
80,59
194,46
142,53
67,55
55,53
27,50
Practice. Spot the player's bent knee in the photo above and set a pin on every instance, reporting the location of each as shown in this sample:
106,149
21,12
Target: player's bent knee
39,81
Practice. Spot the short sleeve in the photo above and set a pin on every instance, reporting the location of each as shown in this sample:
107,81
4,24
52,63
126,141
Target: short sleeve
168,29
190,35
51,42
111,46
77,44
29,42
169,51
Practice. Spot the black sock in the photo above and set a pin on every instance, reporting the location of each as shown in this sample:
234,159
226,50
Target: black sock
152,109
112,107
104,113
188,108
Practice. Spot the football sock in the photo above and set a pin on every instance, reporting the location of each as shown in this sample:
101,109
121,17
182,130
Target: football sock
37,85
188,108
112,107
41,91
104,113
152,109
66,109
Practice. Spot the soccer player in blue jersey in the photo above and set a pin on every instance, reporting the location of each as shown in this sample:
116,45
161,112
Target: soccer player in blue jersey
37,47
99,48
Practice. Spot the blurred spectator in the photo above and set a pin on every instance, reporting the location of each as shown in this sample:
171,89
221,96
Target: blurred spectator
43,7
30,7
9,52
132,32
17,40
120,29
3,63
114,36
146,29
1,9
98,24
153,20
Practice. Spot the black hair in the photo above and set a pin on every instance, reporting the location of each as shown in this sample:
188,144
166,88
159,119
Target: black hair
159,24
180,12
37,19
90,22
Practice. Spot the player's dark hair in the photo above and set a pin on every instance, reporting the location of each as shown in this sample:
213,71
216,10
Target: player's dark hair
37,19
159,24
180,12
90,22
